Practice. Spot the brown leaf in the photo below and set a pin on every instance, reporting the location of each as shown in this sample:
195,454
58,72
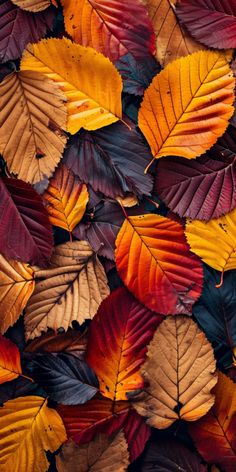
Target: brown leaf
32,5
180,371
30,145
17,285
71,289
73,342
104,453
172,40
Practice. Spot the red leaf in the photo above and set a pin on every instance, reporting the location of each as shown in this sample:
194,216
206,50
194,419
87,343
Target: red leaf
212,22
117,344
25,230
10,367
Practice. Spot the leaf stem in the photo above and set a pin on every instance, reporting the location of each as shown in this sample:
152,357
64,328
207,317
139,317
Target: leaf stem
221,280
26,377
149,165
126,124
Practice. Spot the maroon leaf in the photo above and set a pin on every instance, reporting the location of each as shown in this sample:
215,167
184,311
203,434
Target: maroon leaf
25,230
19,27
200,188
111,160
171,456
212,22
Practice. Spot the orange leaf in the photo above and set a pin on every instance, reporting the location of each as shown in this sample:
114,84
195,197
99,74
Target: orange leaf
66,199
10,367
154,261
214,434
187,106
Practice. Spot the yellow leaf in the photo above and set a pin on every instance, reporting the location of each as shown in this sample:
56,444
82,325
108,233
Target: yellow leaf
28,428
72,288
128,201
89,80
214,241
17,285
188,105
99,455
66,199
32,5
179,373
172,41
32,114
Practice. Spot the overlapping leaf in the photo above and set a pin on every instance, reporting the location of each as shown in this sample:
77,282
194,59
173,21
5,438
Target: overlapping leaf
214,435
90,75
188,105
10,366
101,454
200,189
113,27
32,116
117,344
66,199
17,285
72,288
25,230
154,261
214,240
180,373
72,342
32,5
111,160
19,27
172,40
67,380
137,73
23,443
215,311
206,19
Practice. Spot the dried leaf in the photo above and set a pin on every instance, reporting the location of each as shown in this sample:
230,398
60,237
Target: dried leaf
72,342
10,366
32,5
180,372
188,105
93,85
72,288
32,116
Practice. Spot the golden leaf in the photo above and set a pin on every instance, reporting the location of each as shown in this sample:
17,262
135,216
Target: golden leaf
32,114
28,428
72,288
32,5
187,106
180,371
89,80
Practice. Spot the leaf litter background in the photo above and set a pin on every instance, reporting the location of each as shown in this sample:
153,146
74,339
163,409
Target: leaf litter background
117,236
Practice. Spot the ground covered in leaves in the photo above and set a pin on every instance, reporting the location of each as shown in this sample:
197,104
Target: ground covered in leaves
117,236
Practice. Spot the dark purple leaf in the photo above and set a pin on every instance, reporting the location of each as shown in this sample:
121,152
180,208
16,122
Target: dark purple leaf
212,22
19,27
25,230
137,74
202,188
112,160
65,378
171,456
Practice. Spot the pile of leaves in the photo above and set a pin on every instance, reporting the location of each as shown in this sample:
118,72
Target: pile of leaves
117,236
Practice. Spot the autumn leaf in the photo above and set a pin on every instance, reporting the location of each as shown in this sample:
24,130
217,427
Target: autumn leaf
93,86
66,199
113,28
180,373
72,342
23,443
72,288
32,5
10,365
214,241
26,233
206,19
102,415
155,246
17,285
214,435
201,188
100,454
19,27
32,116
137,73
172,40
188,105
118,342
